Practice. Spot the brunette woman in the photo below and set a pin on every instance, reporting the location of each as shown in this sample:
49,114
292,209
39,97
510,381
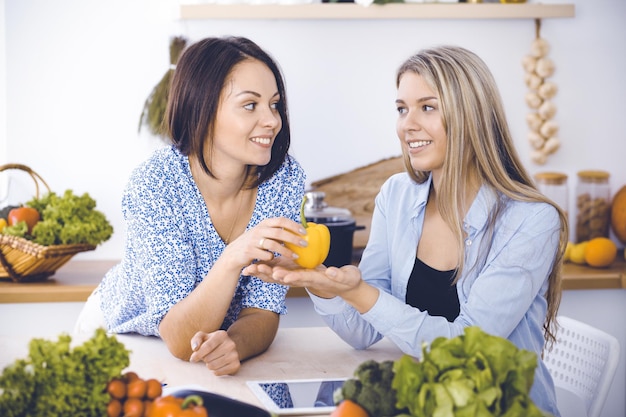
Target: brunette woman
225,194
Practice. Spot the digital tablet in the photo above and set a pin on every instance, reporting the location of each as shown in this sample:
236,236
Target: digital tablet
297,396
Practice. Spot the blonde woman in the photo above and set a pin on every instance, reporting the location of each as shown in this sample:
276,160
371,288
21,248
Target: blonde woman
463,238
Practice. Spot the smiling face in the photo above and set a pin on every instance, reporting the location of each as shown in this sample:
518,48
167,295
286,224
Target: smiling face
247,119
420,124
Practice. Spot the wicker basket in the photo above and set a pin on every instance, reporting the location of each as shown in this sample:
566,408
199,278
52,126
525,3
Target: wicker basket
22,260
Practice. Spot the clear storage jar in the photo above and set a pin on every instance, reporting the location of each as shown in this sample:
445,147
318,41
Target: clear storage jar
554,186
593,205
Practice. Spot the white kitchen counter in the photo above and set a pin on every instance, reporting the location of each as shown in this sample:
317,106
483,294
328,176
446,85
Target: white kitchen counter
602,308
307,352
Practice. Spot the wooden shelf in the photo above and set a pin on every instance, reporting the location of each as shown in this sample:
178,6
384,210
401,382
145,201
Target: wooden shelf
579,277
375,11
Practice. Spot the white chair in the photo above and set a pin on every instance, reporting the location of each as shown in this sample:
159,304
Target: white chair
583,361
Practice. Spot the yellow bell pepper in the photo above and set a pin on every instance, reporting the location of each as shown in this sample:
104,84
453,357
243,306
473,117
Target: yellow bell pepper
318,239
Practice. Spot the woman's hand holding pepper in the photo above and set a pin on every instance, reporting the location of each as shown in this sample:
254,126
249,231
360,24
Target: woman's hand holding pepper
323,282
313,243
345,282
264,240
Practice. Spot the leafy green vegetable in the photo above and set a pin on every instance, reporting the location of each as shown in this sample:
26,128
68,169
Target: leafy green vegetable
66,219
56,380
475,374
471,375
19,229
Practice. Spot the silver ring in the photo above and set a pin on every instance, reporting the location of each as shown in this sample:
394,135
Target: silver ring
261,242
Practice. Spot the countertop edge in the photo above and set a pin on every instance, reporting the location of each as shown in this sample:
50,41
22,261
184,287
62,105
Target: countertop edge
75,281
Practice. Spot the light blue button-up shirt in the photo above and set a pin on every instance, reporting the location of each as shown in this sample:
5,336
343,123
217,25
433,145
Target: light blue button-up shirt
501,288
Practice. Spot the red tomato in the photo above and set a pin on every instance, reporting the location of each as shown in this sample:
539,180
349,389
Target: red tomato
24,214
133,407
136,388
114,408
154,389
117,389
130,376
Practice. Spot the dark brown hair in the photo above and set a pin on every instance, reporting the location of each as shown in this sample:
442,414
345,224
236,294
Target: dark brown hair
197,84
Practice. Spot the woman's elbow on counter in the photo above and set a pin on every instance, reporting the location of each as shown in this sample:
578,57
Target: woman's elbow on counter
178,350
177,347
360,346
359,343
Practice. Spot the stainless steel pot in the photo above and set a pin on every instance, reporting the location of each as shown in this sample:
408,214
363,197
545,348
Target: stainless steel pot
340,223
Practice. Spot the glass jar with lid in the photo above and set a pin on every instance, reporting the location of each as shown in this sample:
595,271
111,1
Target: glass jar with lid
593,205
554,186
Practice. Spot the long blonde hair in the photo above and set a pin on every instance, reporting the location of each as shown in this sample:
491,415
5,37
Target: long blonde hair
479,143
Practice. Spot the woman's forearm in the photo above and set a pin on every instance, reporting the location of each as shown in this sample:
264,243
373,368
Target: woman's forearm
254,331
203,309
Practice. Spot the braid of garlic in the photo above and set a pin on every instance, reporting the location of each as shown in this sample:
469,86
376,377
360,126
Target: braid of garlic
543,130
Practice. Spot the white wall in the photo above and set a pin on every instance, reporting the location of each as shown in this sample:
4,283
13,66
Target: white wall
3,112
78,72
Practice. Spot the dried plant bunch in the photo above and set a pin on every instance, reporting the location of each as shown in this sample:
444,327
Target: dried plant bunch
153,112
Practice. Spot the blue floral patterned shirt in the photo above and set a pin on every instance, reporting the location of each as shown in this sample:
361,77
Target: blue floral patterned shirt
171,244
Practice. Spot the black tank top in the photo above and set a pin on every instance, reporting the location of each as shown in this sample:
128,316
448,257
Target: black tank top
432,290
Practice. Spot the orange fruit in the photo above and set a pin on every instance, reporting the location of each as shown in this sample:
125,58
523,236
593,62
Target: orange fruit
600,252
618,214
348,408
